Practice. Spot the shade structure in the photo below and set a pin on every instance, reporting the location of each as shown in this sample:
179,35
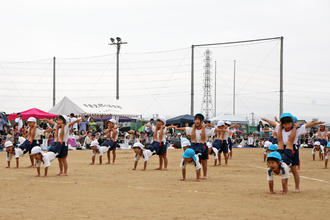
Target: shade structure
181,120
33,112
66,107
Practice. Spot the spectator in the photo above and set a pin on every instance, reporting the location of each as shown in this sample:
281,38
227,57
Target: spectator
83,125
92,124
19,121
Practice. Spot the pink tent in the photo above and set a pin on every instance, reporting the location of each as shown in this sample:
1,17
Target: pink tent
33,112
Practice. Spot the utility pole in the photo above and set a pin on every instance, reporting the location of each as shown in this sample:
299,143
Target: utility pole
192,81
118,45
281,77
215,88
54,83
234,88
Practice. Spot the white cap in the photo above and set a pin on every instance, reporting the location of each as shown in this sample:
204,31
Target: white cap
317,143
179,133
66,118
8,144
209,145
228,122
185,143
36,150
267,144
138,145
220,123
162,119
112,121
95,143
32,119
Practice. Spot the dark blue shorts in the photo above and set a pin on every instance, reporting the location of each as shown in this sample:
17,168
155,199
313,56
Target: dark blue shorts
159,148
323,142
273,140
200,149
230,144
63,150
295,160
222,146
109,143
288,156
26,146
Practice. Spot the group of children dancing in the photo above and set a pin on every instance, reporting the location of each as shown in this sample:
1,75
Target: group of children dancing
281,151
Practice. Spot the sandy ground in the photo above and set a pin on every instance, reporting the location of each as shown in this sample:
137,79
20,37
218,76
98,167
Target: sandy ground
238,191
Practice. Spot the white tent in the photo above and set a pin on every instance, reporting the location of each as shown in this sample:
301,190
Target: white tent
93,107
66,107
232,118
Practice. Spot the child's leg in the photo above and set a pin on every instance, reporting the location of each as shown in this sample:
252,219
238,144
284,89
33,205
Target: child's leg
165,161
204,165
32,160
280,139
219,158
289,144
65,165
294,170
113,155
160,162
60,164
226,158
108,155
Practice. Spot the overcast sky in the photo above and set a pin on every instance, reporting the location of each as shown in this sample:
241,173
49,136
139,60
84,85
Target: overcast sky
37,30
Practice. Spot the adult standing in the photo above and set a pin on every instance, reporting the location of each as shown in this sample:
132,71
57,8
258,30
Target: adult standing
19,121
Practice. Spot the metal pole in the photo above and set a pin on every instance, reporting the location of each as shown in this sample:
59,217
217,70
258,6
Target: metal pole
192,81
281,77
54,78
117,77
234,88
215,88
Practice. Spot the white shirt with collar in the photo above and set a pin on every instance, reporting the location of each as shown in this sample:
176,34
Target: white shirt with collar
209,132
146,154
47,158
196,164
285,134
284,171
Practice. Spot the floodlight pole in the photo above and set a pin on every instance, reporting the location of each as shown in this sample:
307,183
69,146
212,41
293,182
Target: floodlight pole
235,42
54,78
118,46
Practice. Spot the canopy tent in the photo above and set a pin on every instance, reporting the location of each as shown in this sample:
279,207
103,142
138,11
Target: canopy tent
240,119
121,119
33,112
93,107
181,120
66,107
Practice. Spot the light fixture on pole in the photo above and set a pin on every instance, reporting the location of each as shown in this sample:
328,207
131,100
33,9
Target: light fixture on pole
118,44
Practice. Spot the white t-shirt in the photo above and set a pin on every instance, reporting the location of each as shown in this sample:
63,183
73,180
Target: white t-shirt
284,170
19,121
66,133
250,140
37,135
74,126
196,164
321,149
158,133
209,132
47,159
146,154
101,151
285,135
111,132
18,153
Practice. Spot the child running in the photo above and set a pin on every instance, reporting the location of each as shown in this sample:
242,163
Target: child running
140,151
189,157
12,151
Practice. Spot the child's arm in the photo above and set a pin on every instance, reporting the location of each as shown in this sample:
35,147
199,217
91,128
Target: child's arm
198,174
234,126
183,174
280,138
33,133
272,123
135,165
161,134
145,165
100,159
313,123
74,122
285,186
46,171
38,171
155,134
114,134
17,162
271,187
179,129
193,134
56,133
61,134
203,134
93,160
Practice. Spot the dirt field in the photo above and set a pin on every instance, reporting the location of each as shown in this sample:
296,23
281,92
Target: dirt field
238,191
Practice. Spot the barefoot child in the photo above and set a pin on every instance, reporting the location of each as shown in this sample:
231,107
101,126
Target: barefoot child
214,151
276,167
140,151
41,156
326,155
267,144
97,149
190,157
220,142
159,142
111,142
199,134
12,151
318,147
